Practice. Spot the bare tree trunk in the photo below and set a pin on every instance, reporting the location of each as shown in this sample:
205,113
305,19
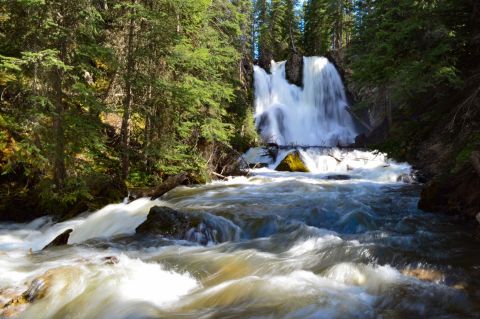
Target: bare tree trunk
127,102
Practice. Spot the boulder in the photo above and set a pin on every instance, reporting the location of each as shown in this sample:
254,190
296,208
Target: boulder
202,229
60,240
292,163
38,289
162,220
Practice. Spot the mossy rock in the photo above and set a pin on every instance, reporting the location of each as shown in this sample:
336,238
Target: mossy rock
292,163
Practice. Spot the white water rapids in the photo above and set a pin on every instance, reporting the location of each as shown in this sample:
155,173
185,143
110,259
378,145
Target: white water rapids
313,116
343,241
295,245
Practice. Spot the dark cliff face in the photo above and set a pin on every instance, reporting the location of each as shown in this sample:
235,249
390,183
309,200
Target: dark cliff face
294,69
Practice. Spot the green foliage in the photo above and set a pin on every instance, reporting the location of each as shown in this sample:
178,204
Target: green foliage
54,201
328,25
67,67
276,28
409,46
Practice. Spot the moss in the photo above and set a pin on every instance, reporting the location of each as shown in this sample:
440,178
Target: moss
292,163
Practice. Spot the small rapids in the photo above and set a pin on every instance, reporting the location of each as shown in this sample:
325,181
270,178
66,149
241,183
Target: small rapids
290,245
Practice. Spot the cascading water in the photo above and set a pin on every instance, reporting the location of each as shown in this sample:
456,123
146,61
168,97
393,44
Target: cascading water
313,116
343,241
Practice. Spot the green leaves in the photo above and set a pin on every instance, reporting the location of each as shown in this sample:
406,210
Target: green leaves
410,46
64,69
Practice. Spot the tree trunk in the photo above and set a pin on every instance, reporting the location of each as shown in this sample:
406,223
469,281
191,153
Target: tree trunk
59,173
127,102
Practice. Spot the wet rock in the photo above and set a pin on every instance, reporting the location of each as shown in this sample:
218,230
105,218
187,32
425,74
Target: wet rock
361,141
162,220
294,69
201,234
202,229
339,177
36,290
431,275
60,240
407,178
292,163
110,260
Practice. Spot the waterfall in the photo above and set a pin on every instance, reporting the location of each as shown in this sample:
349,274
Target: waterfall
313,116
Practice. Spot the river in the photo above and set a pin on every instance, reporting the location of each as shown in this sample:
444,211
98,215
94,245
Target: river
288,245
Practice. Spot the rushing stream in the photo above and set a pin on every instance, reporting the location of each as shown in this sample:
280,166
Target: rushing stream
296,245
345,240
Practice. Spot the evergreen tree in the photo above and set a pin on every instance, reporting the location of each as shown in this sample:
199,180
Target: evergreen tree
328,26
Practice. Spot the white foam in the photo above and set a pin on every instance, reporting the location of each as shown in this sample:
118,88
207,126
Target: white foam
316,115
142,281
113,220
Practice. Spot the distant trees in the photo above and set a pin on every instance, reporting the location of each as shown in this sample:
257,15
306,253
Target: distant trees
328,26
277,29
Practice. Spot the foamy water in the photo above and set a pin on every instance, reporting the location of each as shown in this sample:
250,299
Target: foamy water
292,245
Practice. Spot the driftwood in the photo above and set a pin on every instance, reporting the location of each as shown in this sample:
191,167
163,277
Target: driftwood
218,175
155,192
169,184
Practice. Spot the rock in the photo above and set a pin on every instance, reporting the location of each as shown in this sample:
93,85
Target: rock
294,69
202,229
475,160
407,178
430,199
338,177
162,220
292,163
424,274
360,141
110,260
60,240
37,290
